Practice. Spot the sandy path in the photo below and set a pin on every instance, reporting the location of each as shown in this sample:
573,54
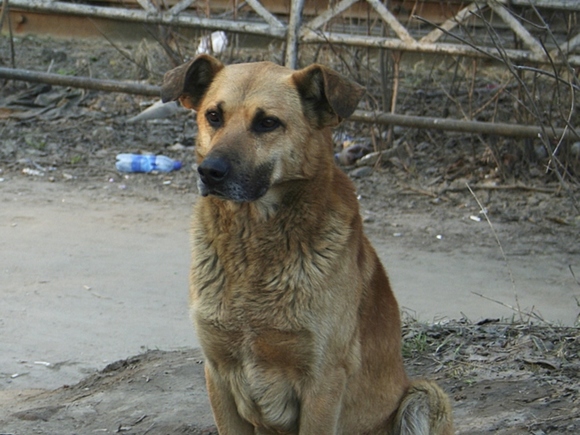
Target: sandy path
92,275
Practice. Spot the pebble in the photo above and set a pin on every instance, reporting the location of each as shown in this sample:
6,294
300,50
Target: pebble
361,172
176,147
33,172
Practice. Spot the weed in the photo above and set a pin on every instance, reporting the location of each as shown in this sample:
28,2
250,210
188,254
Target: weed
76,159
417,344
37,144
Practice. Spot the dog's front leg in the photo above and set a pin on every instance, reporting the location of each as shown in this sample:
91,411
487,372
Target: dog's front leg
223,405
321,405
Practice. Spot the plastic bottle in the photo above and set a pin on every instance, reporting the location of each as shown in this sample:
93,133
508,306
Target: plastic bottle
146,163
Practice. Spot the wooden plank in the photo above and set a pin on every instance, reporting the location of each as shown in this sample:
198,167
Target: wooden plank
71,26
264,13
329,14
147,5
186,20
564,5
434,10
451,23
517,27
438,48
180,6
393,23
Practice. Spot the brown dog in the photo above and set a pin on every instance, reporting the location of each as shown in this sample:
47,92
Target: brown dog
293,309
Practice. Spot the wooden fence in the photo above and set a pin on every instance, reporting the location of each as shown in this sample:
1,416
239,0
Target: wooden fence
402,26
401,36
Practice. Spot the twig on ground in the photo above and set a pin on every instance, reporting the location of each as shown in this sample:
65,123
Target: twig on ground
438,193
517,310
577,321
573,274
502,187
421,191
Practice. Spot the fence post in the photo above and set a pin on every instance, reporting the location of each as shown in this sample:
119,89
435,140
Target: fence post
292,35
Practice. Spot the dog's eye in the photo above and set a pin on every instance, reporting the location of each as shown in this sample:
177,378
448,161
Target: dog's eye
266,124
214,118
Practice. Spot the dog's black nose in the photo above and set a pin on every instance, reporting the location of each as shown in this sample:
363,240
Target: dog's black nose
213,170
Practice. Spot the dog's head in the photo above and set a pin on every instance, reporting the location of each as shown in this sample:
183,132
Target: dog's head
260,124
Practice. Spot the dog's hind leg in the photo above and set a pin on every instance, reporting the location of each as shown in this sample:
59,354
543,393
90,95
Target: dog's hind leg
424,410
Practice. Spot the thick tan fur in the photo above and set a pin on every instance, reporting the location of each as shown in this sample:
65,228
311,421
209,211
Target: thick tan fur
293,309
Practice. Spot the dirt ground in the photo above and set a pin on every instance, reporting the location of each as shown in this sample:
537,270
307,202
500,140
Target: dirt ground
93,267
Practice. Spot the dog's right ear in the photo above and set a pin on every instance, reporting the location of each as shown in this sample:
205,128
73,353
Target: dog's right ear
189,82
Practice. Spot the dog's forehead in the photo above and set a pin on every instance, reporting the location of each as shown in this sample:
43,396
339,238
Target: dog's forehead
261,83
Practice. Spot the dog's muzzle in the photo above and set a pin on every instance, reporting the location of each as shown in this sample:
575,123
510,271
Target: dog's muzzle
219,177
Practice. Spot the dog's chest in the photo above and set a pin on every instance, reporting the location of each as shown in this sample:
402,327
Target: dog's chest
274,290
257,299
260,343
266,277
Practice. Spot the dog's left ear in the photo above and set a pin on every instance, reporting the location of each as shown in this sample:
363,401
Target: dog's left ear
328,96
189,82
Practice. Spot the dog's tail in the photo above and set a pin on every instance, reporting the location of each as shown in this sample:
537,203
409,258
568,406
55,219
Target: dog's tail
424,410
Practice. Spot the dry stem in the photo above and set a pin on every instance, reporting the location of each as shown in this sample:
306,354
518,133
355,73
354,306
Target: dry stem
484,211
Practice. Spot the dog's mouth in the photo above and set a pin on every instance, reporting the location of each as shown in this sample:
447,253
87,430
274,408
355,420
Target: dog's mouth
233,191
202,188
